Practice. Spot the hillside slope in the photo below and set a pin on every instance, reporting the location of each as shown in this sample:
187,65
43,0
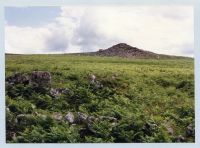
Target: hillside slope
124,50
93,99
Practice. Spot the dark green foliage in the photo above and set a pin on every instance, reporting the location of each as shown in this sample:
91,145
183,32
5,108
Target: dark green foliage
130,100
187,86
19,90
164,82
185,111
73,77
42,101
19,105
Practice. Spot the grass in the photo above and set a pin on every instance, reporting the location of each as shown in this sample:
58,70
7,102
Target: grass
147,97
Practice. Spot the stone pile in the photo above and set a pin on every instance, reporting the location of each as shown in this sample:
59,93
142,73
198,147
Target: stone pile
40,78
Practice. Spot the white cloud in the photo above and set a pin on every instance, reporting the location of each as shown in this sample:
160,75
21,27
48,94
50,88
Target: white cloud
25,40
161,29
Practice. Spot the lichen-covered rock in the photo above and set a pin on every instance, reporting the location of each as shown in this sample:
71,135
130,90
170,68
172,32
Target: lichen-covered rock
17,78
40,78
70,117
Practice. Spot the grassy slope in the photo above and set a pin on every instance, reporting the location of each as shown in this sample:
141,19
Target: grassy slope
146,96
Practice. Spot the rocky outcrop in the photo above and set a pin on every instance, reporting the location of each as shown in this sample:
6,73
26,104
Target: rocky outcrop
17,78
126,51
40,78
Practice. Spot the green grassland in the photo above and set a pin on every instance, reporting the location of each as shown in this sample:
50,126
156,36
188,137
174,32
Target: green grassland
152,100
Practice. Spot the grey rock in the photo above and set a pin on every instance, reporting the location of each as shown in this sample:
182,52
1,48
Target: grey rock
92,78
70,117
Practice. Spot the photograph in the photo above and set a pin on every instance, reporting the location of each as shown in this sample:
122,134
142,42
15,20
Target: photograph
99,74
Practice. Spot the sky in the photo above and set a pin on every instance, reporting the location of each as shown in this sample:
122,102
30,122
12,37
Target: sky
164,29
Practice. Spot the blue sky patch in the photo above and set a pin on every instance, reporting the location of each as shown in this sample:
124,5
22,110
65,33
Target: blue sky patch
31,16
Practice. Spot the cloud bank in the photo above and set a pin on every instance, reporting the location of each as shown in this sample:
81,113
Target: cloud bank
161,29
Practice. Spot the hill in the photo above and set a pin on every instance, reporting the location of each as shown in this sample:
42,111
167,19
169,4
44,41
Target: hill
126,51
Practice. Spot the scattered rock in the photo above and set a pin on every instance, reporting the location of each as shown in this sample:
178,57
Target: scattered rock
111,119
92,78
33,106
114,76
19,118
169,129
190,131
91,119
56,92
42,116
17,78
57,116
97,85
7,109
180,138
13,135
70,117
82,117
40,78
20,115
